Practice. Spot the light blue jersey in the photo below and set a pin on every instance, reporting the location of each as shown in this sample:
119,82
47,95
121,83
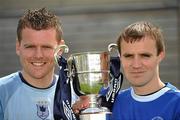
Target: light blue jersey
162,105
19,101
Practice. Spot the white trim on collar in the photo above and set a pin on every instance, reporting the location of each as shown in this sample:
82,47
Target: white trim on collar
149,98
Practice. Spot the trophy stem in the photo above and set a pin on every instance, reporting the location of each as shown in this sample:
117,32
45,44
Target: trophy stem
95,111
93,101
93,105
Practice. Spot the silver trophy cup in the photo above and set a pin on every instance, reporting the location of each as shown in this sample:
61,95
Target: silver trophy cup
92,72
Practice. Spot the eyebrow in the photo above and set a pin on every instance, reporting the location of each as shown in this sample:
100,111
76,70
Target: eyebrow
142,54
146,54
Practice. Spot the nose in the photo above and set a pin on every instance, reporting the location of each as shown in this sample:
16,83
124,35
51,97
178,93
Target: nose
38,53
136,62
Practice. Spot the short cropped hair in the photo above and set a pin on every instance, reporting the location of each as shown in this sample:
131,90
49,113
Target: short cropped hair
39,19
139,30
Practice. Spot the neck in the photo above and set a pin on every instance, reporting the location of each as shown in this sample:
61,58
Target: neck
149,88
43,82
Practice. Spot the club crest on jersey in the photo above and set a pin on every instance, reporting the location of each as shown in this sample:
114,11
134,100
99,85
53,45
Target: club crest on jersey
42,110
157,118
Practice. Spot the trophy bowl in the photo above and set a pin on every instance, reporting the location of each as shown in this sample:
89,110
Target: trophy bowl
92,70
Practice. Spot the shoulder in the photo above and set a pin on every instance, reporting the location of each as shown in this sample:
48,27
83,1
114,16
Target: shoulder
10,80
124,93
169,85
174,93
8,85
173,97
173,90
122,98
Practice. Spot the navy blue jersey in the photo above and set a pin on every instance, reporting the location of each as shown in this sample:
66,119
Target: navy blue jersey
62,99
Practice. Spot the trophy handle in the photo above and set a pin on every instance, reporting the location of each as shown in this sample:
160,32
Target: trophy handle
72,73
70,65
114,60
65,49
112,47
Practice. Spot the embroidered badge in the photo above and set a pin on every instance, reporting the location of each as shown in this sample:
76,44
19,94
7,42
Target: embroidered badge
157,118
42,110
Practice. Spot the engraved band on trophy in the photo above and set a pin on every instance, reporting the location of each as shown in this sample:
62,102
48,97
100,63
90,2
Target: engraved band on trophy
92,72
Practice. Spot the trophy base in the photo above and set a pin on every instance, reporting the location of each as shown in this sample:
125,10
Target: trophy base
96,116
93,114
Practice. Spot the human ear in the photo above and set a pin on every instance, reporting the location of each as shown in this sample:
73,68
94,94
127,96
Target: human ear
17,47
161,56
62,42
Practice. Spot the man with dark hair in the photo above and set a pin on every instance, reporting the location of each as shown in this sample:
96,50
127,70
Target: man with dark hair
141,47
